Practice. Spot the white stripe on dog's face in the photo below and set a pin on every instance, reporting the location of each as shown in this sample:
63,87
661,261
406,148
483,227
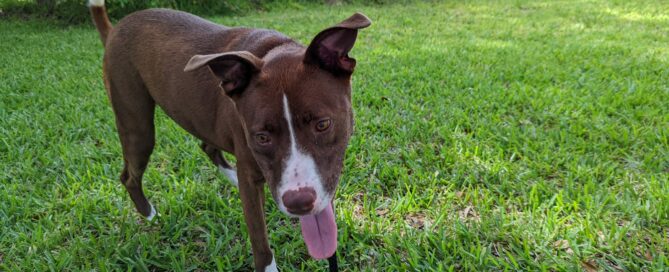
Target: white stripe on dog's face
300,170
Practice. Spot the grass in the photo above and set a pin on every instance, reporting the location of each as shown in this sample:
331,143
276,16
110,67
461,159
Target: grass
490,135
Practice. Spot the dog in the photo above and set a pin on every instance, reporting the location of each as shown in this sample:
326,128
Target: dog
282,109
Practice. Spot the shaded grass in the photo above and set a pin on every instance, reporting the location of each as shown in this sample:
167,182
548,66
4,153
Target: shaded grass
489,136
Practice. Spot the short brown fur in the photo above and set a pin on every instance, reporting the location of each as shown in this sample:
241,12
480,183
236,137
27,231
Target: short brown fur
239,95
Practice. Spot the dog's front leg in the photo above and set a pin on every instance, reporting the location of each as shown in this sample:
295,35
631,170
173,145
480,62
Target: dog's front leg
252,194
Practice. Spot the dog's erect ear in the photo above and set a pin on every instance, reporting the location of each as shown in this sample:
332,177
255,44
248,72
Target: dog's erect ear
234,69
329,49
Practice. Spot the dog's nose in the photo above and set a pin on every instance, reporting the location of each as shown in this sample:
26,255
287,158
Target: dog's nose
300,201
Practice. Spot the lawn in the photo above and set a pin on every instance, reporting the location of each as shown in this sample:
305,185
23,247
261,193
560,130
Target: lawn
490,135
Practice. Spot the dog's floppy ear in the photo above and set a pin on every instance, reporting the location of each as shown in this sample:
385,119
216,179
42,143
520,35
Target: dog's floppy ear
234,69
329,49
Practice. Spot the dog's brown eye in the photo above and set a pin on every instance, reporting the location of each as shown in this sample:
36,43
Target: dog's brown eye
323,125
263,139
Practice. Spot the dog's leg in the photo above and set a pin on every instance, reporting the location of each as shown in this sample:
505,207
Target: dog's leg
134,108
252,194
217,158
138,144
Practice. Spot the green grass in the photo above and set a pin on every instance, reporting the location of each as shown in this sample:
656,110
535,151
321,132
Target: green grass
489,136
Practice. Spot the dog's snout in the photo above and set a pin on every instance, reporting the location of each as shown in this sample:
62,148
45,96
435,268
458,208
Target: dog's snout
300,201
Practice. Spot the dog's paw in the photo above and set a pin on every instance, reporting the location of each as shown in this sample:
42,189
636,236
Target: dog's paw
272,266
231,174
152,215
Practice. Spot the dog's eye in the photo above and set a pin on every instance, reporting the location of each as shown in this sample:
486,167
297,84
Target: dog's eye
323,125
262,139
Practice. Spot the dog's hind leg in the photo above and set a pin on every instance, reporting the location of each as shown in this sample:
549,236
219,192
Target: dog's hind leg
216,157
134,109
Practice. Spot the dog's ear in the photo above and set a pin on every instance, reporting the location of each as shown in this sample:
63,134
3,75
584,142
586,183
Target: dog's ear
329,49
234,69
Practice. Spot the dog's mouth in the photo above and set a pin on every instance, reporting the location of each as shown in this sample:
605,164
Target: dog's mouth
319,232
317,219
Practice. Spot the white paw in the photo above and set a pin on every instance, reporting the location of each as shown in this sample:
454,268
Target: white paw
152,214
271,267
96,3
231,174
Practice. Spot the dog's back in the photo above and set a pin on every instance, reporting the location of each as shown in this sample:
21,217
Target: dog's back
147,50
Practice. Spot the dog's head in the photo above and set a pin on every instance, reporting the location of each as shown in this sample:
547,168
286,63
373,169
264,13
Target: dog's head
295,107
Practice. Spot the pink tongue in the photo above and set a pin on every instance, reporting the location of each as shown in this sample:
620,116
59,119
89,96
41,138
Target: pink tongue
320,233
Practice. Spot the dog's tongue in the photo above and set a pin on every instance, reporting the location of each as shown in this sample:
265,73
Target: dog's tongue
320,233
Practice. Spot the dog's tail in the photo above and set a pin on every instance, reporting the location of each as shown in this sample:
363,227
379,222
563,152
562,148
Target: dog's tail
99,14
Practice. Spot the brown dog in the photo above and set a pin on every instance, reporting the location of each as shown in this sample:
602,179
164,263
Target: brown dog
283,110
